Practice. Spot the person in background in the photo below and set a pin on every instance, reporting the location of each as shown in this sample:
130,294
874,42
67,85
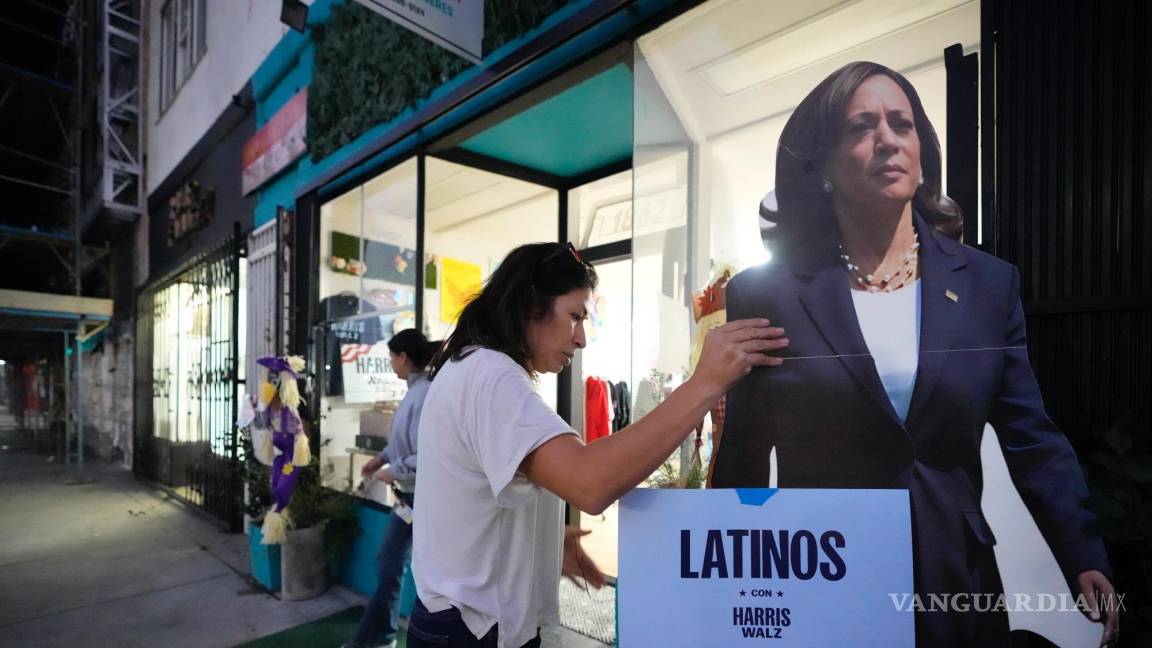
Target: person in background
495,461
409,353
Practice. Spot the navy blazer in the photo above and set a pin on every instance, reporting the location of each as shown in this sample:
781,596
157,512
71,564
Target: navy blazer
833,426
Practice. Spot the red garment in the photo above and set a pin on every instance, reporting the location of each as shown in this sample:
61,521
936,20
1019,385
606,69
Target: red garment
596,423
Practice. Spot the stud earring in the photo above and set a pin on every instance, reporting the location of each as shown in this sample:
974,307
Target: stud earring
921,180
826,186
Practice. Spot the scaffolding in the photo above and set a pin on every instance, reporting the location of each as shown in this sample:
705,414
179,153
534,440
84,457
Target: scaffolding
121,145
96,172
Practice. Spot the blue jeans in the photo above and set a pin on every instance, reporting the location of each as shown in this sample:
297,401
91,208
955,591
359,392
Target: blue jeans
446,629
378,625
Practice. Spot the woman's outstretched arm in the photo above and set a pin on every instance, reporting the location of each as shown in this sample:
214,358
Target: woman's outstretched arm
593,476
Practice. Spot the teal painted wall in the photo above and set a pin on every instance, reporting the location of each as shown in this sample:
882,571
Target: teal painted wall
586,127
360,572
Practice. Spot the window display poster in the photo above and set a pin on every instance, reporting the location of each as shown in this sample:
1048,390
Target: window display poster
737,567
460,281
368,375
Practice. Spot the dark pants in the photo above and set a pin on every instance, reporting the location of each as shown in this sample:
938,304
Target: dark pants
447,630
378,625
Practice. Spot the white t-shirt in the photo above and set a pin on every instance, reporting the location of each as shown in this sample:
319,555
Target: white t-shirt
486,541
890,322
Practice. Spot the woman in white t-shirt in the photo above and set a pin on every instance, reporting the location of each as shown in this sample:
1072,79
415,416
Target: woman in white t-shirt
489,541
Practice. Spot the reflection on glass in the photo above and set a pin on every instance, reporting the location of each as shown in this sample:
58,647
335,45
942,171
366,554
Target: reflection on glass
474,219
602,210
367,290
607,358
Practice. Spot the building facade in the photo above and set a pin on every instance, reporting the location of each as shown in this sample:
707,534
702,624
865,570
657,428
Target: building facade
645,133
190,306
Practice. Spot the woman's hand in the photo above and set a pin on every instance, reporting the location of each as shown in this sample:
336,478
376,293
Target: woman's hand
1096,589
576,562
371,467
730,351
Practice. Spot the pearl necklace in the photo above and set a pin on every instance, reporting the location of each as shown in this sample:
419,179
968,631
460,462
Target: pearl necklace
898,278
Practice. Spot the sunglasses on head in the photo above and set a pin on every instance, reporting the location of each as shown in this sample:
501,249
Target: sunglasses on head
561,250
567,247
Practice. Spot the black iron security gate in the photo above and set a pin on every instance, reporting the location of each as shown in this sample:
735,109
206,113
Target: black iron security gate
187,383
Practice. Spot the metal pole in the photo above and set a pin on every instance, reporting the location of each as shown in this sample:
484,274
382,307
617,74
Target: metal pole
79,396
67,400
418,293
34,158
77,248
278,283
235,495
38,185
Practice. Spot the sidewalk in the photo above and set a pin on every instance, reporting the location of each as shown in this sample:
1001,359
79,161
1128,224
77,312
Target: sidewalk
94,557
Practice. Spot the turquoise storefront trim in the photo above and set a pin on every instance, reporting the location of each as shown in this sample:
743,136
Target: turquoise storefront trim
361,572
263,560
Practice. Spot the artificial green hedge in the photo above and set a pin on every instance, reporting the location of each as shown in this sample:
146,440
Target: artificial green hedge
368,70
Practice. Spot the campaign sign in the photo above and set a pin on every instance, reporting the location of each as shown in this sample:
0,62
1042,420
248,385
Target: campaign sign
368,376
754,567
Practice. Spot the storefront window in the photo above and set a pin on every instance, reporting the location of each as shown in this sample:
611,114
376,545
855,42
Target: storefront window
600,213
602,210
665,220
608,360
713,91
474,218
367,294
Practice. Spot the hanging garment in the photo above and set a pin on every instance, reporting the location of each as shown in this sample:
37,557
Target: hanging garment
610,406
624,404
596,420
619,405
614,415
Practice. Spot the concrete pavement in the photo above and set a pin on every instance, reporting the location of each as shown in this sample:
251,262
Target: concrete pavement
94,557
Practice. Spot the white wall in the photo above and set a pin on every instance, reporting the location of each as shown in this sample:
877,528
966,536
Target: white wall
240,34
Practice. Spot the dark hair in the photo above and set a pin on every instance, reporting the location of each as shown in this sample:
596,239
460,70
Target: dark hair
523,288
413,344
812,132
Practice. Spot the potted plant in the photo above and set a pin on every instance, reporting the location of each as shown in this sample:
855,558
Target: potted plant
669,475
322,527
309,521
